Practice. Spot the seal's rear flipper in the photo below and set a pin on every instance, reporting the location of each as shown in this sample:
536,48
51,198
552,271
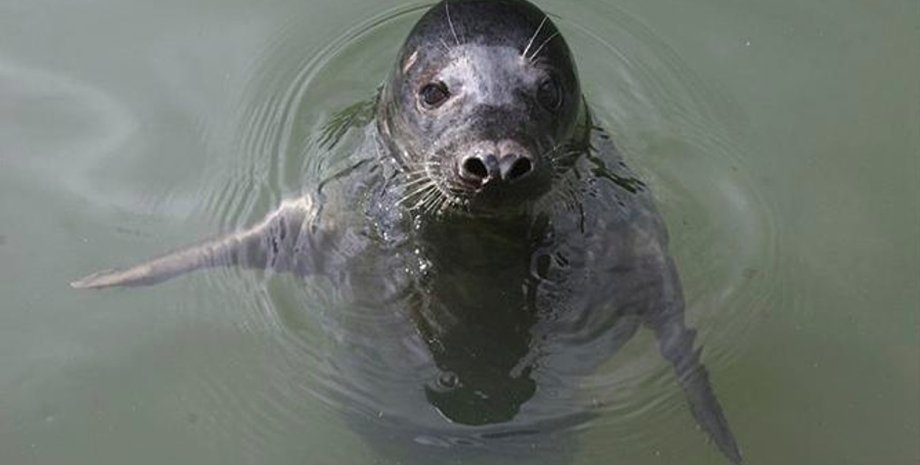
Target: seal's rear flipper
273,244
675,341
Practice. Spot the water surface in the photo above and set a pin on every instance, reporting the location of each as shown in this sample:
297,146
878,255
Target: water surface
781,140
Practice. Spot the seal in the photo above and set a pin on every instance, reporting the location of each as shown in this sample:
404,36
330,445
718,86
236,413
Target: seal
490,214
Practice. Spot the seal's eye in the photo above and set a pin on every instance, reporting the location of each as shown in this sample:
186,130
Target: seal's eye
549,94
433,94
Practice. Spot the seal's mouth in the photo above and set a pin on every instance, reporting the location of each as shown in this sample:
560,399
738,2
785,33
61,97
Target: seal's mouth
482,178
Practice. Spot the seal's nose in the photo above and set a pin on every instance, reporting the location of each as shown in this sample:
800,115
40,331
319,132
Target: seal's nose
514,167
482,169
478,169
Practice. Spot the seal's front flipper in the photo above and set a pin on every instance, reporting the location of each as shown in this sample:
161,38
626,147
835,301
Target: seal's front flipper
277,243
675,341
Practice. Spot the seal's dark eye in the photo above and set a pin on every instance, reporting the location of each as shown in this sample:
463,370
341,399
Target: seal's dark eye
433,94
549,94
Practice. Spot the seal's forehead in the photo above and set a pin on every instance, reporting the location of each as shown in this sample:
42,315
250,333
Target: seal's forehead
487,74
514,23
454,29
491,22
488,70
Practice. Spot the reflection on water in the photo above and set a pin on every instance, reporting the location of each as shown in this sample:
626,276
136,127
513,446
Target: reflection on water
55,123
484,370
170,123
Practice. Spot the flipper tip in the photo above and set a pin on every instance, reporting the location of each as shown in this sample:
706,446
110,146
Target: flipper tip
93,281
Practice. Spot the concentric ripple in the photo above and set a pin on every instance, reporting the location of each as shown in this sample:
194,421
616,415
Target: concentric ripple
673,130
677,134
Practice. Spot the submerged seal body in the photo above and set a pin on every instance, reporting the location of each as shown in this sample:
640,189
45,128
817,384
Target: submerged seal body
496,231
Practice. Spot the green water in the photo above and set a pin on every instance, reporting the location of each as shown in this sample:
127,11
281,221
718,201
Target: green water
781,139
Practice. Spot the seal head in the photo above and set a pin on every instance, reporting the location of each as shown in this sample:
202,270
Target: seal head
481,102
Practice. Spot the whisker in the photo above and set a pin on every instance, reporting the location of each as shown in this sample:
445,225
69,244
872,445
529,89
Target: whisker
431,204
411,176
417,205
442,203
448,197
534,37
543,45
415,193
415,182
413,173
453,201
451,23
424,199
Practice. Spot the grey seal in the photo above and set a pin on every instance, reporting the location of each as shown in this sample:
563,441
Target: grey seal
489,212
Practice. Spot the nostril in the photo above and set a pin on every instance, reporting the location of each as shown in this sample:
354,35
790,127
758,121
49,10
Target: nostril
474,168
519,169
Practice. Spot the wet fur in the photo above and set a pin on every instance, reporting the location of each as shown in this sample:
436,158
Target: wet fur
579,243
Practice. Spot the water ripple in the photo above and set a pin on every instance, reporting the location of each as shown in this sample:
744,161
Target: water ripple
674,131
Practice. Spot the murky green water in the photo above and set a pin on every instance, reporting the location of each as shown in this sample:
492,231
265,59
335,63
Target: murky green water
781,139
